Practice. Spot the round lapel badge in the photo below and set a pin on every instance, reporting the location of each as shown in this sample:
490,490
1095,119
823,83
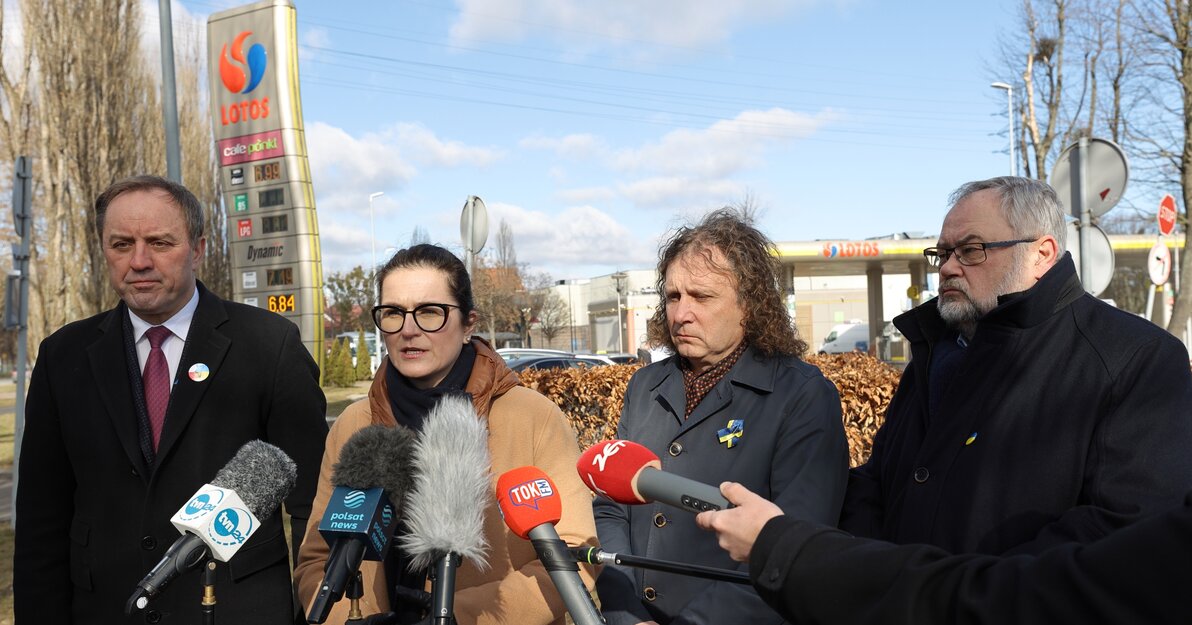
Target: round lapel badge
198,372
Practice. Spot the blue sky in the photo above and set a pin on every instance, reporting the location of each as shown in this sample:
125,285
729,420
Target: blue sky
594,128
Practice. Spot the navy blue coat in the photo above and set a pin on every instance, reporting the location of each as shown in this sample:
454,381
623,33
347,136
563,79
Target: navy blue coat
1066,419
93,518
791,450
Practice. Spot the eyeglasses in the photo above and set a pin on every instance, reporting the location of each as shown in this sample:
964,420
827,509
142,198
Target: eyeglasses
428,317
968,254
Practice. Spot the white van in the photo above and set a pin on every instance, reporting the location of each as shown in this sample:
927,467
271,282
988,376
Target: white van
846,337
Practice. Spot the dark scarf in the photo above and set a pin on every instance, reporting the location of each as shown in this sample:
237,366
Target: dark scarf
698,385
410,405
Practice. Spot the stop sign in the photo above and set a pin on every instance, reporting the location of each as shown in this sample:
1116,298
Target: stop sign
1167,214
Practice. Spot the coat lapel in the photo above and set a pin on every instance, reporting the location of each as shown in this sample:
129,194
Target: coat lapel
205,345
109,369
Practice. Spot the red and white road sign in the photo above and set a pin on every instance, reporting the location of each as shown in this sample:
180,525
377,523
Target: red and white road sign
1158,263
1166,215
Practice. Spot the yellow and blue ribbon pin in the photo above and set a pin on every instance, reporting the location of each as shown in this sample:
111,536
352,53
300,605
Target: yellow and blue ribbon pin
972,437
730,435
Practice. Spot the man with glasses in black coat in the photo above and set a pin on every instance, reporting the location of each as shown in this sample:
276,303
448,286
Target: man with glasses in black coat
1032,414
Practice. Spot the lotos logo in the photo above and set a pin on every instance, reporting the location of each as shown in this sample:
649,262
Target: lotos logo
610,449
233,75
231,526
849,249
354,499
528,493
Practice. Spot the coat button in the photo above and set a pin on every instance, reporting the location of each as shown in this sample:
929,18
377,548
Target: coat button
659,520
675,449
921,474
152,616
148,543
649,593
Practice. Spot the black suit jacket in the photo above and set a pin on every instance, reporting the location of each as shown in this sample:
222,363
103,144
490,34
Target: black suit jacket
93,516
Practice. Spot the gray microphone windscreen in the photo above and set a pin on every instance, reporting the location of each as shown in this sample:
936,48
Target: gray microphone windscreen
452,486
261,474
377,457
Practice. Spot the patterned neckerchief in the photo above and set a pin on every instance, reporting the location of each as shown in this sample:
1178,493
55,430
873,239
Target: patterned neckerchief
697,385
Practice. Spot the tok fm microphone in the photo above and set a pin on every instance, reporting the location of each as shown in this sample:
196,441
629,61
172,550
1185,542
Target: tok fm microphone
222,515
371,480
628,473
531,506
444,512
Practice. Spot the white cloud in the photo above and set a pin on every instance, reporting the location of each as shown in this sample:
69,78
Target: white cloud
424,147
312,37
690,195
345,169
723,148
585,25
579,235
586,195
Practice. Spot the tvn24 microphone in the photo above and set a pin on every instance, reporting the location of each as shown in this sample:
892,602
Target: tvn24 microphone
444,512
531,506
371,480
222,515
628,473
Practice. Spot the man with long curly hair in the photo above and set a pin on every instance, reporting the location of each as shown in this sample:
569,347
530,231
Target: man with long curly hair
737,403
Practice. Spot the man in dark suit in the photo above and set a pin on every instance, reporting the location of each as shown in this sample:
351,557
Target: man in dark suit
736,403
130,411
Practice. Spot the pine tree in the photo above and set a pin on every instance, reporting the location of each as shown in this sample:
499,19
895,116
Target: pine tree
364,370
329,364
344,366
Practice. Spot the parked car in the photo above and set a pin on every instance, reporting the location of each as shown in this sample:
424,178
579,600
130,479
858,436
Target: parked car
596,359
514,354
548,362
623,359
846,337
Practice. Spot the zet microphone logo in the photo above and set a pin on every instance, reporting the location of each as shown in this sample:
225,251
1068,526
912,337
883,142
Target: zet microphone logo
232,65
233,75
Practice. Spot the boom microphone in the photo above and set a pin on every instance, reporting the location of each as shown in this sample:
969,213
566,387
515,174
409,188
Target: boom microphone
596,555
628,473
371,480
445,511
222,515
531,506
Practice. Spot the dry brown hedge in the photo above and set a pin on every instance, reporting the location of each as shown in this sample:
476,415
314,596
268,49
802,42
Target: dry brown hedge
592,397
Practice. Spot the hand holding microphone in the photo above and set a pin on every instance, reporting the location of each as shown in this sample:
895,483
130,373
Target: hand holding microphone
531,506
371,480
222,515
628,473
737,529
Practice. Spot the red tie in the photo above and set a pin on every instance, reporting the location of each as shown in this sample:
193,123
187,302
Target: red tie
156,379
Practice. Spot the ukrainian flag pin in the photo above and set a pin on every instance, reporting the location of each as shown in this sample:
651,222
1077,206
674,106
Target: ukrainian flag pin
972,437
731,435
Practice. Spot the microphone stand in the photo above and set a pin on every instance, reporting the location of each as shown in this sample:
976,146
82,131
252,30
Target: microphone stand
443,589
596,555
207,607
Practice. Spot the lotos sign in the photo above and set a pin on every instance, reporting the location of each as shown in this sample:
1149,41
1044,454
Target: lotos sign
232,66
850,249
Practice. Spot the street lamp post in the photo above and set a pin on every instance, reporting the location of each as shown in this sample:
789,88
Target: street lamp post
619,279
376,287
1010,118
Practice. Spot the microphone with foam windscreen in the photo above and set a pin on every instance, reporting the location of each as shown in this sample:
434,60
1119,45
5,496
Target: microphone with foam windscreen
444,512
371,480
531,506
628,473
222,515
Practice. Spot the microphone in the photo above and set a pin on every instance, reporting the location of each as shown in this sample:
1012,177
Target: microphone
444,512
371,480
596,555
628,473
531,506
222,515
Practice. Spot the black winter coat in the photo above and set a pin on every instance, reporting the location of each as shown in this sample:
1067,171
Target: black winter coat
1066,419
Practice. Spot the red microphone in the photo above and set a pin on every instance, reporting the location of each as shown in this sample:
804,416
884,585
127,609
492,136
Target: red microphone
531,506
628,473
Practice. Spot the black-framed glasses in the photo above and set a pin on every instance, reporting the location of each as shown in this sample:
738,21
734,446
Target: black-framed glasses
428,317
968,254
